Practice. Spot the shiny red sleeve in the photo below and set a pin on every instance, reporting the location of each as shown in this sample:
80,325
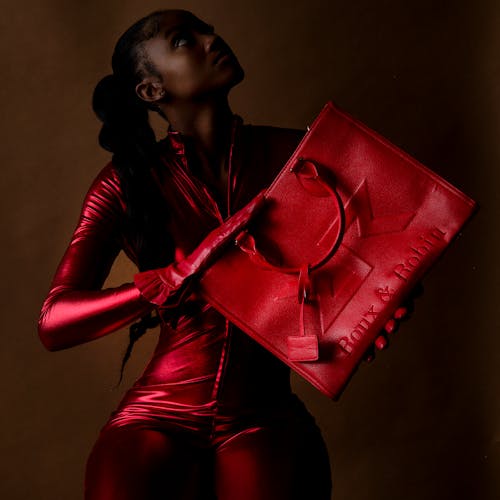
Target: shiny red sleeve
77,309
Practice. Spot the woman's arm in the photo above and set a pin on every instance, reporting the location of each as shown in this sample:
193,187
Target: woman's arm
77,309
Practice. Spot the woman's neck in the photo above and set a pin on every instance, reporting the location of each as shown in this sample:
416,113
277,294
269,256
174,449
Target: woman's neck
206,130
206,127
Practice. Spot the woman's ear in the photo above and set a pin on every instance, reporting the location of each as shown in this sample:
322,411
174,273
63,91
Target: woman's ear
150,90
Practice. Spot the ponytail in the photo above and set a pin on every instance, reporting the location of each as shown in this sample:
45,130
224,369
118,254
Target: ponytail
136,331
125,118
127,134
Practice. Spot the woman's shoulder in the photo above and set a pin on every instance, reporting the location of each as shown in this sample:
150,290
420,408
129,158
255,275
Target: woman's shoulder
104,197
108,175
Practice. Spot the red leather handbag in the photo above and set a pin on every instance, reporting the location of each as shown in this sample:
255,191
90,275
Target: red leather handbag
351,225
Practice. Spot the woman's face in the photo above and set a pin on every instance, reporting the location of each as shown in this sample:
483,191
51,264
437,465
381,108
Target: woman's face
192,61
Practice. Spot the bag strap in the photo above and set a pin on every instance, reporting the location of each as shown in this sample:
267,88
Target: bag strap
306,173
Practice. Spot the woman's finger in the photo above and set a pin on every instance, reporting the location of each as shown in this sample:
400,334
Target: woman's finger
401,313
381,342
391,326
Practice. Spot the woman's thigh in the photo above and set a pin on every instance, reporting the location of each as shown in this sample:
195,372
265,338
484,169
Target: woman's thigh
130,463
287,462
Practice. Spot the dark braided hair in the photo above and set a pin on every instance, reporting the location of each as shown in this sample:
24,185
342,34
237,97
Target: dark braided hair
127,133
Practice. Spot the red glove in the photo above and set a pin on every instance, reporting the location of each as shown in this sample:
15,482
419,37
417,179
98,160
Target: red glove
402,312
168,285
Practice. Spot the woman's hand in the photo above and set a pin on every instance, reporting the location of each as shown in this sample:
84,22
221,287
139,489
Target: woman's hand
403,312
168,285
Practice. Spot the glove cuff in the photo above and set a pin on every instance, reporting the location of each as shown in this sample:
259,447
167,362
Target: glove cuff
153,286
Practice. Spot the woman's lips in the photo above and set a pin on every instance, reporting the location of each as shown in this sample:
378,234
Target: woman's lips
221,56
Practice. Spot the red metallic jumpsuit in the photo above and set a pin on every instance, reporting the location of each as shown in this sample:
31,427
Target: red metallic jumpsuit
213,412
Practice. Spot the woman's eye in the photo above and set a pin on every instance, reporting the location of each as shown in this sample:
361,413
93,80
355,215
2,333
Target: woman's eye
181,39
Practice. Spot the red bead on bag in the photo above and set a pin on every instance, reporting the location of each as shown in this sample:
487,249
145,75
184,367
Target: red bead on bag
352,224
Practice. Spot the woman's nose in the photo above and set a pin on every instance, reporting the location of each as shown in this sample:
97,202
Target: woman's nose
212,42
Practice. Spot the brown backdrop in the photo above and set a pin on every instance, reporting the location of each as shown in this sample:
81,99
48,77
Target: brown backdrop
421,422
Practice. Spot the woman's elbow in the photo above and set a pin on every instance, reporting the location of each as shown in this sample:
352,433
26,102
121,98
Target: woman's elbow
50,331
47,337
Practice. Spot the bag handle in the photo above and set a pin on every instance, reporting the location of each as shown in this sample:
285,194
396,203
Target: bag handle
303,347
306,172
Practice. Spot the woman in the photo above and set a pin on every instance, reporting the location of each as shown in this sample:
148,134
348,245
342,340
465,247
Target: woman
213,415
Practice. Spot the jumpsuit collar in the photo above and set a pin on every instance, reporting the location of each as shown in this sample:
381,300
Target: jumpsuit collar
176,141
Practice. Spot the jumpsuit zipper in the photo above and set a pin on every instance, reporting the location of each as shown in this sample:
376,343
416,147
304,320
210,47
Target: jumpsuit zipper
226,348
